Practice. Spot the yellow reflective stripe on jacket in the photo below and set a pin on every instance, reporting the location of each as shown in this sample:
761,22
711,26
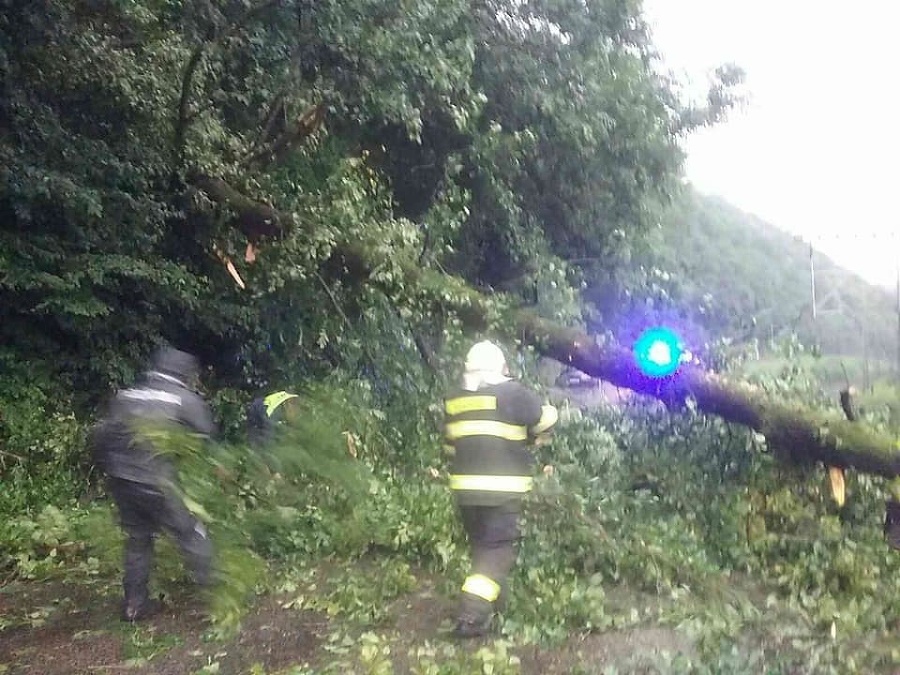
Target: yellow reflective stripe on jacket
549,417
482,587
464,404
272,401
491,483
461,429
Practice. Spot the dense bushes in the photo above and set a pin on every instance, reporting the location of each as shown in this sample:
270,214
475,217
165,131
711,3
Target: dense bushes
42,456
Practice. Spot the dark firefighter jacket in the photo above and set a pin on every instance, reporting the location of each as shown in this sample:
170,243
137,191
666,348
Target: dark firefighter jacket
262,415
489,431
162,397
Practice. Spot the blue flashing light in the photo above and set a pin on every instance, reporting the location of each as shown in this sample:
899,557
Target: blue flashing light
658,352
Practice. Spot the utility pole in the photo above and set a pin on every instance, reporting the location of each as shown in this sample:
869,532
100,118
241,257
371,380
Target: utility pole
867,378
812,284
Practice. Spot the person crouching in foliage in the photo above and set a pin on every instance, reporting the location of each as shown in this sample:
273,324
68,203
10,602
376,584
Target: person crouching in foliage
142,479
264,413
489,424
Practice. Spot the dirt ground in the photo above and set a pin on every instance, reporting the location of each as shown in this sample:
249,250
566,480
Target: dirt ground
57,629
75,629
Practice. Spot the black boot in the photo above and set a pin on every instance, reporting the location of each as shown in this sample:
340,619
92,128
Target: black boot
141,611
472,627
475,617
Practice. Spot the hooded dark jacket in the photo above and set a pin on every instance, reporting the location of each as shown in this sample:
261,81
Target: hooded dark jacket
163,396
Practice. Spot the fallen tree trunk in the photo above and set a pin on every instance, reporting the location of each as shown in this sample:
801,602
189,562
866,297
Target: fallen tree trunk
800,435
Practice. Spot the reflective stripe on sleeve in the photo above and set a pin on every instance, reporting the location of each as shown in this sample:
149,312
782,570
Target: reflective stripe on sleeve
491,483
549,417
151,395
464,404
510,432
482,587
272,401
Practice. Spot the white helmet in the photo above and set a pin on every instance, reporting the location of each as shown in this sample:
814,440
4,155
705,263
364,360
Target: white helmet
485,357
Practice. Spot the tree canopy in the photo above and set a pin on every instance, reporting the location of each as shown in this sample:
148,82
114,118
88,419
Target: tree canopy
485,139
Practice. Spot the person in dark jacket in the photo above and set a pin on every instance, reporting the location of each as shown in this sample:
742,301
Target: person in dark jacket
264,413
489,424
143,482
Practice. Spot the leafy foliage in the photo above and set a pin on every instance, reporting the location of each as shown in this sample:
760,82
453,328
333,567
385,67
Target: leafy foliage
41,442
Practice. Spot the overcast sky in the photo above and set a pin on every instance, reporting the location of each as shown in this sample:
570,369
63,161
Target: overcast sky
817,149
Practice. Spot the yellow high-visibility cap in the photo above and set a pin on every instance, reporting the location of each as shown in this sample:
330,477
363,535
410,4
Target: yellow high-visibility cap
481,586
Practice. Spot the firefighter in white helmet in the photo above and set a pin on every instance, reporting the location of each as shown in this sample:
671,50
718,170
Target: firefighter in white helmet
489,424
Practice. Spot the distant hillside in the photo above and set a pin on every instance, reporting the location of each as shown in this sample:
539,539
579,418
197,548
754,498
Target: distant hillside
744,268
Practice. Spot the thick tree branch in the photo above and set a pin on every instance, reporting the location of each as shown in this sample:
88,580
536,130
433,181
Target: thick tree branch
277,151
267,128
800,434
182,117
254,219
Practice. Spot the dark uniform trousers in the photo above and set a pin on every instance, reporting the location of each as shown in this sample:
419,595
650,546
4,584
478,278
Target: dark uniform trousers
493,533
146,510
